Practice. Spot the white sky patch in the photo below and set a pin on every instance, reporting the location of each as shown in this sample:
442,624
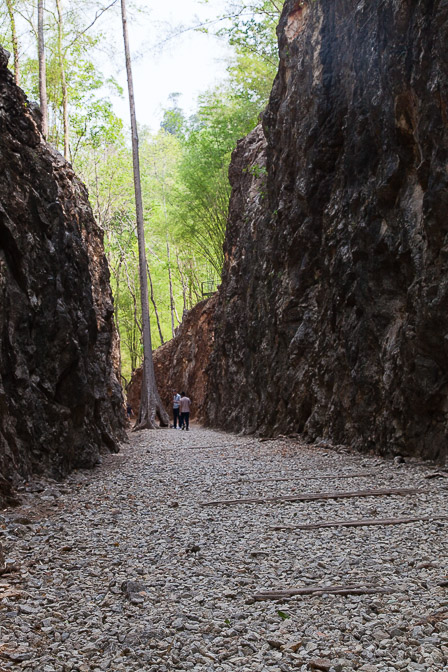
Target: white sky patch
168,55
166,62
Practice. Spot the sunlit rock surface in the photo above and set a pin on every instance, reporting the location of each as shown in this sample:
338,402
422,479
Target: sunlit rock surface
332,318
60,401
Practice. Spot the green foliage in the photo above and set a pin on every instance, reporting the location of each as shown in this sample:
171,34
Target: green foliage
257,171
173,117
107,170
91,114
225,115
251,28
185,181
283,615
202,197
90,111
184,165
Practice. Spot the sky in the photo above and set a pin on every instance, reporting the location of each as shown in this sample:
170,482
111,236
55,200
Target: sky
187,63
168,55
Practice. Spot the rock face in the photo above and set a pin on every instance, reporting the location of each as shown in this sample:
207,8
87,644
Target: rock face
60,400
181,363
332,317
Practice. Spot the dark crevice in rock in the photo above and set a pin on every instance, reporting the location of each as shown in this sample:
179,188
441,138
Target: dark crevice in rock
11,255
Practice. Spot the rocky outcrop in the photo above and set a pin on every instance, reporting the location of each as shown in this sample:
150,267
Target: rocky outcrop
60,401
332,317
181,363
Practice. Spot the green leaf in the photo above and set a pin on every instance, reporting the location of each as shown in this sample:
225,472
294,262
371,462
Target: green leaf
282,615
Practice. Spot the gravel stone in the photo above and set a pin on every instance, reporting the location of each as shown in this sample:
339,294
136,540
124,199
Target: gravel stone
112,576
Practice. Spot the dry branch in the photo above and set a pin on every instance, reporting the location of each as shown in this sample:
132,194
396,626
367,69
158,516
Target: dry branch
222,445
364,474
363,522
285,593
316,496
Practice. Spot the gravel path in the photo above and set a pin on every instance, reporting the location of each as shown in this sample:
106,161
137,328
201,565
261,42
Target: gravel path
124,568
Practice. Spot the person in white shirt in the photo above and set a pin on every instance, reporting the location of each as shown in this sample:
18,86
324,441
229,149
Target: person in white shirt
176,402
184,406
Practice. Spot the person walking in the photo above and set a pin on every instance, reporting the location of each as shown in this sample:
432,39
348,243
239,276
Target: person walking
184,406
176,403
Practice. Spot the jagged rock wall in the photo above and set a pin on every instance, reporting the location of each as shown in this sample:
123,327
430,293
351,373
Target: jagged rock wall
332,317
60,400
181,363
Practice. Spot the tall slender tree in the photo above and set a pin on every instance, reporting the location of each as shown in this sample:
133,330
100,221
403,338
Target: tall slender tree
150,402
42,67
15,42
63,79
170,281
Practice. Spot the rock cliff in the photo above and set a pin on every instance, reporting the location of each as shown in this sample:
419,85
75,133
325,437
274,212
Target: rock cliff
332,317
60,400
182,362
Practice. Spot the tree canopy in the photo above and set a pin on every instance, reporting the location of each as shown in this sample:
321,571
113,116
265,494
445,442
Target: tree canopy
184,164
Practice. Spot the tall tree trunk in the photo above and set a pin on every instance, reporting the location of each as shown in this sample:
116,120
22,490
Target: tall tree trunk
195,285
63,82
150,402
15,43
131,291
42,67
171,284
184,283
170,279
153,301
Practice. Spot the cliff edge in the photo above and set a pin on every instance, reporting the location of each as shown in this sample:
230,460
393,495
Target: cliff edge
60,400
332,316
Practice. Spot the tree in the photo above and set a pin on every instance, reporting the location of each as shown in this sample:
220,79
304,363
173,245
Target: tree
42,67
60,73
63,80
225,114
201,198
184,166
161,157
251,28
173,117
150,402
15,43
